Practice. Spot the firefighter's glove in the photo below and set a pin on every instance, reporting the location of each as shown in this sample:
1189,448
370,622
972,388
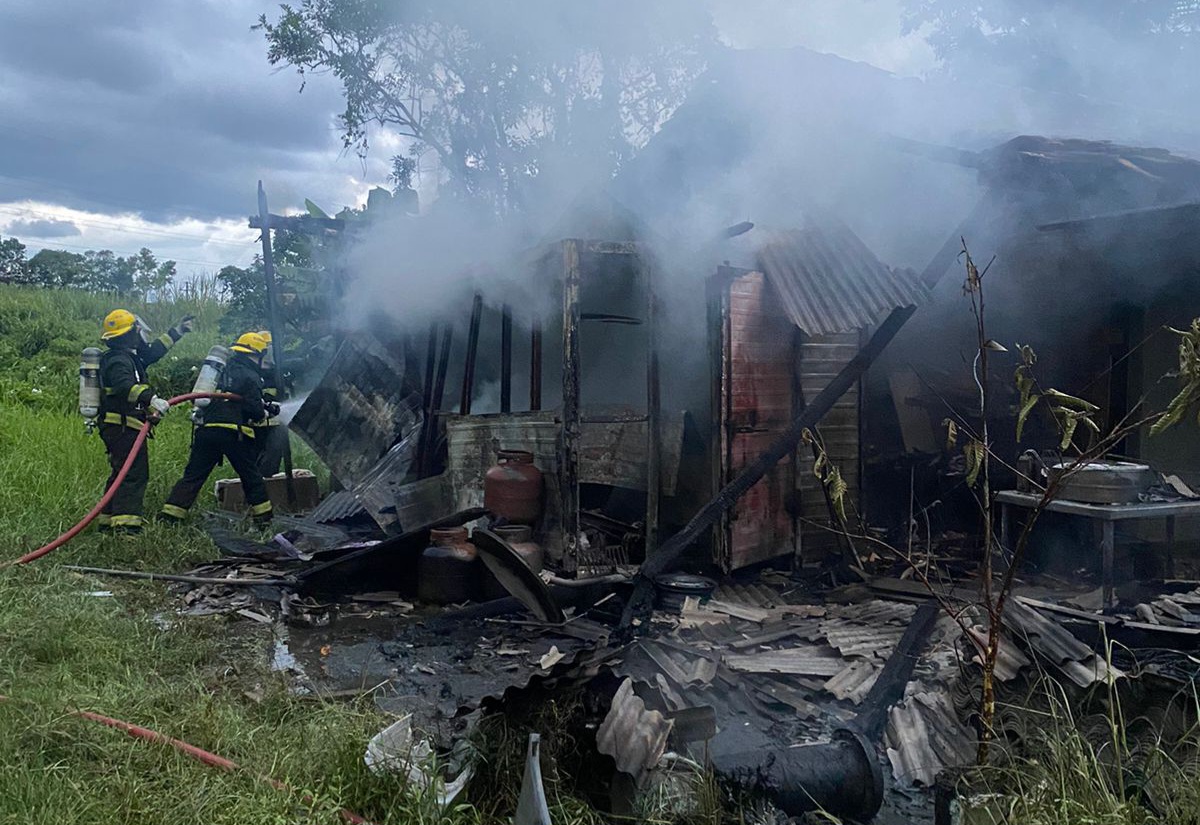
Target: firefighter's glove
186,325
159,406
272,408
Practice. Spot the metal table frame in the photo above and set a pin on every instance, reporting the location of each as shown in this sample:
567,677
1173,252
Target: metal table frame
1108,515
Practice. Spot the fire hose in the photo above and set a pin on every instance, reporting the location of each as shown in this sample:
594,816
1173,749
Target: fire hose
199,754
143,433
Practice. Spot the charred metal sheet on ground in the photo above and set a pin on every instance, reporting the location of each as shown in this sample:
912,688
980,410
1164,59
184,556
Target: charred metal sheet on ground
875,611
516,577
829,281
438,674
751,595
1077,661
855,640
632,735
808,660
854,682
337,506
924,735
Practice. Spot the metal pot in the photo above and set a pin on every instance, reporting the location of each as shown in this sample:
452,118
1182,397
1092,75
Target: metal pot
673,588
1104,482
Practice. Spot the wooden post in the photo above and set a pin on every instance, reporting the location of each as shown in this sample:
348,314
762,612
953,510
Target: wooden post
435,403
468,385
425,444
653,414
506,359
276,329
568,460
535,366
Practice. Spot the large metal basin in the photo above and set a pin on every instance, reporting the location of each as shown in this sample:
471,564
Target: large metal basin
1104,482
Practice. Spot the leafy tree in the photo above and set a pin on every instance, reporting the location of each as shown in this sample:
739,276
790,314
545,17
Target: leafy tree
503,94
59,268
1079,46
105,272
14,269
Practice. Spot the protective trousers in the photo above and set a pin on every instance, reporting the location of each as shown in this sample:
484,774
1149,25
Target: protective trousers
125,509
208,447
272,443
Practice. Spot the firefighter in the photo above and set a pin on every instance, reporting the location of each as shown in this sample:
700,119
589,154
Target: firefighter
271,435
126,401
227,431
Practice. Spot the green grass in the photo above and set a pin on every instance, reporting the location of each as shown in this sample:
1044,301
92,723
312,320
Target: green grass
203,680
1104,768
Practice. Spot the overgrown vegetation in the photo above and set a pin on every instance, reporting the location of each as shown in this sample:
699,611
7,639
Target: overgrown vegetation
1086,759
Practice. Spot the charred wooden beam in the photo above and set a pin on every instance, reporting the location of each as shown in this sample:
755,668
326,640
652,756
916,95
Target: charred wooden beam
429,437
535,366
653,415
568,459
297,223
468,384
424,445
506,359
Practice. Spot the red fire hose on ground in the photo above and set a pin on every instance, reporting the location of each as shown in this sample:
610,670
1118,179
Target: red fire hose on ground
107,497
199,754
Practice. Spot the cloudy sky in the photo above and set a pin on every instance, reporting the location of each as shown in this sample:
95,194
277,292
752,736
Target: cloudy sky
131,123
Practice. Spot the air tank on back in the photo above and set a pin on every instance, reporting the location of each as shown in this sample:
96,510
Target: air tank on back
89,385
210,373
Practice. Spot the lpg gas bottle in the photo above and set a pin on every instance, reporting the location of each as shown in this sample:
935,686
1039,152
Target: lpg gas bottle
448,570
512,489
89,385
210,373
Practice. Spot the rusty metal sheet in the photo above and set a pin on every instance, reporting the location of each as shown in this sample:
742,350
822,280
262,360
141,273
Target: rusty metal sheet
829,281
757,392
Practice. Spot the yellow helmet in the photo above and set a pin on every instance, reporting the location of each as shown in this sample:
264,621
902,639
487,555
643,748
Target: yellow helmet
117,323
251,343
266,335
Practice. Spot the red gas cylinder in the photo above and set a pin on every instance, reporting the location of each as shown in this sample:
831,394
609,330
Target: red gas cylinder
448,571
512,489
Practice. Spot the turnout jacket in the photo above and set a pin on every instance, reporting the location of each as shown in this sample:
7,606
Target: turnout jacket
241,376
125,388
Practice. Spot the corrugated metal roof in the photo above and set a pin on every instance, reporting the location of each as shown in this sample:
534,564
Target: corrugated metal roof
854,682
829,281
924,735
1076,660
809,660
857,640
632,735
337,506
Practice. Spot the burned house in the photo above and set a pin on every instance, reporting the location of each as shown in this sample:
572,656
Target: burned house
643,381
619,469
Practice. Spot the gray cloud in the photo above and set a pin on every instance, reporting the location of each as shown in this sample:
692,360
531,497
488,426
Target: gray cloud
169,109
43,229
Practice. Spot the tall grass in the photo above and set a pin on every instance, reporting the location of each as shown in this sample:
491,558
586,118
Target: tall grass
1073,766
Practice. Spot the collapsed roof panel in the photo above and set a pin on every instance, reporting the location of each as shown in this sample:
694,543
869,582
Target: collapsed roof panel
354,415
828,281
